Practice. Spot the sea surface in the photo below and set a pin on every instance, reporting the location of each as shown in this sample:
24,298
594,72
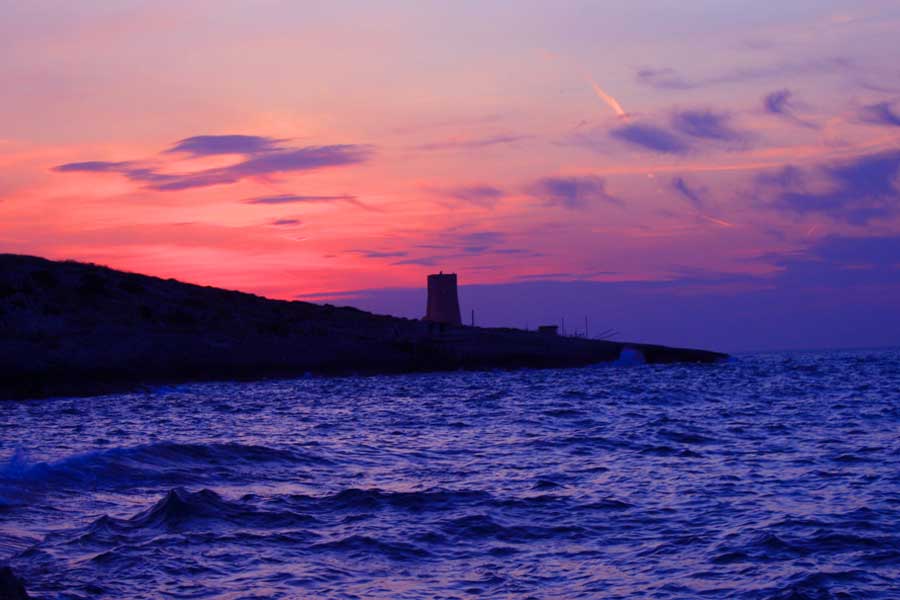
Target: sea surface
770,476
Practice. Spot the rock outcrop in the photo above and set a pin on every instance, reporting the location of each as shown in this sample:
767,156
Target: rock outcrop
11,587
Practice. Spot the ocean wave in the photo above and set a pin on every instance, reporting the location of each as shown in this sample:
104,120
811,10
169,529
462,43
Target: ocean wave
361,546
820,585
148,463
748,480
478,526
373,500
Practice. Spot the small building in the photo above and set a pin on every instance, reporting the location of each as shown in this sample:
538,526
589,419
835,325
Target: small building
443,299
548,329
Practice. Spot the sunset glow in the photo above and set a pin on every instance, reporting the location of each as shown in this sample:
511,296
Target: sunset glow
223,144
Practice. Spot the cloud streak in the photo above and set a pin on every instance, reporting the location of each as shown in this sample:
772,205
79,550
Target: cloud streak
650,137
691,195
862,190
780,103
705,124
670,79
301,199
262,157
880,114
573,193
379,253
211,145
474,143
484,196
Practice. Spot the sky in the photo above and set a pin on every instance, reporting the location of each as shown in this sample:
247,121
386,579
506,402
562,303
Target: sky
717,173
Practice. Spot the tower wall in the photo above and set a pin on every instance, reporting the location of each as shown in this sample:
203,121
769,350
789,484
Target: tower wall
443,300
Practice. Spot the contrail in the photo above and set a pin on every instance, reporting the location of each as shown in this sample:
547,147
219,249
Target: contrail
720,222
612,102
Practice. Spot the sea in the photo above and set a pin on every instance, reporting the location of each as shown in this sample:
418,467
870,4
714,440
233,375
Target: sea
769,476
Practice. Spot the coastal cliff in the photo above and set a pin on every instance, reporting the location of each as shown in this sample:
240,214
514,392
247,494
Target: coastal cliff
69,328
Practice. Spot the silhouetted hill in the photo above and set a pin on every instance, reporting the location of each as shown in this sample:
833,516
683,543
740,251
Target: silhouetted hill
74,328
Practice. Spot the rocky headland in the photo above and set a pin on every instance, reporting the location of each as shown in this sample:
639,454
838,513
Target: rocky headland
69,328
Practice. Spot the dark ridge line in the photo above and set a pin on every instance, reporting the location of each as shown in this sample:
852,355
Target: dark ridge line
77,329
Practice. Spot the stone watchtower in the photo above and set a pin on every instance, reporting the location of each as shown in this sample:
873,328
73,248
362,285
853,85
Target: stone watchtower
443,301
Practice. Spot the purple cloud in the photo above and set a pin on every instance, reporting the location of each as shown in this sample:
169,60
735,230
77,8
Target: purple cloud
484,142
705,124
286,222
881,114
485,196
296,199
863,190
650,137
664,78
478,241
93,166
423,261
451,245
852,252
688,193
573,193
379,253
669,79
209,145
302,159
788,177
780,103
263,158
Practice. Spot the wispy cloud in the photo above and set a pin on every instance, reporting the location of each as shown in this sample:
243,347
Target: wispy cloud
484,196
781,103
448,247
474,143
669,79
880,114
309,199
210,145
706,124
573,193
94,166
694,197
262,157
650,137
380,253
477,242
863,189
286,222
778,102
423,261
297,199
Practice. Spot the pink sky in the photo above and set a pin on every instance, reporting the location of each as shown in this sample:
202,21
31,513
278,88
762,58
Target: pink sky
299,149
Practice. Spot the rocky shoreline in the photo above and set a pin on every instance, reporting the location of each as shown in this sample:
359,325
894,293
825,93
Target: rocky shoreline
11,586
69,328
